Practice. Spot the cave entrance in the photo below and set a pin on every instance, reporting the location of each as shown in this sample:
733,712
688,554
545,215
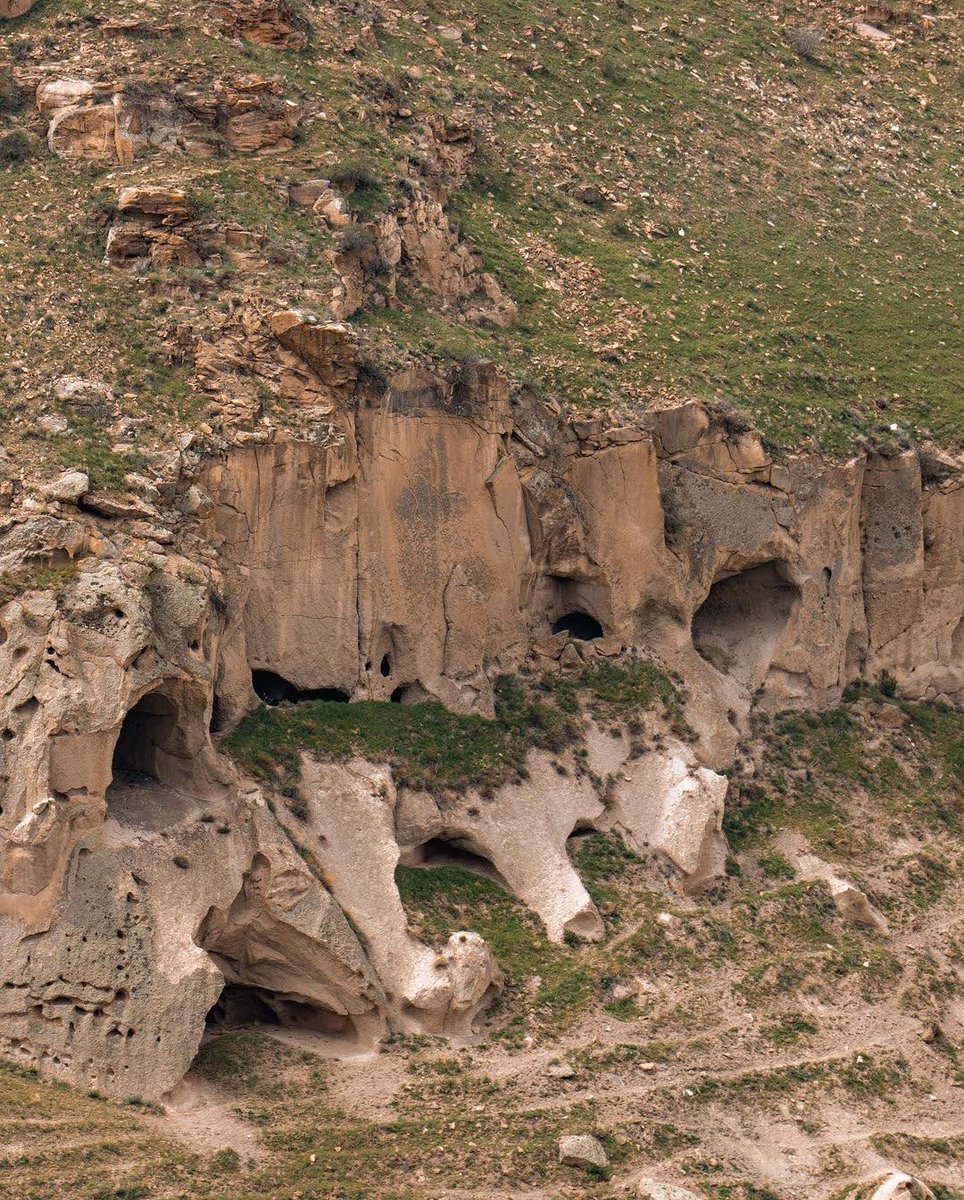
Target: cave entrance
738,626
453,852
579,625
145,760
274,689
242,1007
147,728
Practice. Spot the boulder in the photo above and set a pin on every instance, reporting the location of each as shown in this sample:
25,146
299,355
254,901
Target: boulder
68,487
162,205
898,1186
666,803
328,347
655,1189
83,394
582,1150
56,94
88,131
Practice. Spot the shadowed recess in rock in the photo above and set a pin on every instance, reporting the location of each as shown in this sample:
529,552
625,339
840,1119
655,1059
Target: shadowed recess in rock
740,622
241,1007
148,726
454,852
275,689
579,625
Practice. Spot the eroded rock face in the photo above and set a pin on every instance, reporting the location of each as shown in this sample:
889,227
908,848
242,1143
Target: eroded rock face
351,812
407,543
264,22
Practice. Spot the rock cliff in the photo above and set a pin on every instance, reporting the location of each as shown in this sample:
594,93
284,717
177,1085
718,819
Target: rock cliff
441,533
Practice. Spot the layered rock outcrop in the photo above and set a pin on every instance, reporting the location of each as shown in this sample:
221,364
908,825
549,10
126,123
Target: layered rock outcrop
99,120
413,544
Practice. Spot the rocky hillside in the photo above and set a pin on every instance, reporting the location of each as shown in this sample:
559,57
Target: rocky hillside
481,600
754,204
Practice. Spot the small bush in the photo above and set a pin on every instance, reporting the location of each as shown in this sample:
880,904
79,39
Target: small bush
11,96
180,861
807,42
15,147
355,173
226,1160
888,684
356,239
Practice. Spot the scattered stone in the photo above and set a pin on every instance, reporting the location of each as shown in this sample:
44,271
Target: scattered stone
589,193
560,1070
655,1189
582,1150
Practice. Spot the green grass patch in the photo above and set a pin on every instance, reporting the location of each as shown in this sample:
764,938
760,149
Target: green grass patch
430,747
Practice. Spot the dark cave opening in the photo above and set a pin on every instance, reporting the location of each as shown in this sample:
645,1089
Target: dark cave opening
740,622
274,689
453,852
579,625
241,1006
148,726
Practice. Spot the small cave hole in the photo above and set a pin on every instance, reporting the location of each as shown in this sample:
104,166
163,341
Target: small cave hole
274,689
398,695
237,1006
386,666
579,625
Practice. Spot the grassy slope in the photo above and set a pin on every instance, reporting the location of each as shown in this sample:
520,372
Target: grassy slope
816,280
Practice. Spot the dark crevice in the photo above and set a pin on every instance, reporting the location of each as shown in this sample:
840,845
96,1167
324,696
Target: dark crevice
274,689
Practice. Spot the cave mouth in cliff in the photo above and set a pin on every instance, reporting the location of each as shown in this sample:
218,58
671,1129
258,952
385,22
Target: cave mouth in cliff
579,625
148,727
454,851
241,1006
274,689
740,622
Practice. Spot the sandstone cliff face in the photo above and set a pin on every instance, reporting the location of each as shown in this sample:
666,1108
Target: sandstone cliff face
443,544
410,548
